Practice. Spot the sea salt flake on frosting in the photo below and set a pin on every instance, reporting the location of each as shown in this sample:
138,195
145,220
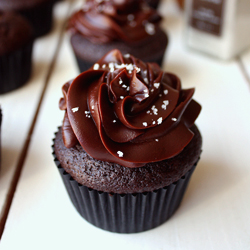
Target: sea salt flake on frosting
155,110
146,95
75,109
124,86
120,81
165,104
159,121
150,28
165,91
120,153
157,85
96,66
145,124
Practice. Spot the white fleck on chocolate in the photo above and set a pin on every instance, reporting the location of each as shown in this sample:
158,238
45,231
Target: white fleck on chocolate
174,119
120,153
157,140
75,109
159,120
150,28
157,85
96,66
120,80
87,113
155,110
165,104
165,91
121,97
114,121
145,124
126,56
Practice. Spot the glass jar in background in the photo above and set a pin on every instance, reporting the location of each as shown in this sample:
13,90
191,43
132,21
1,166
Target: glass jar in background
220,28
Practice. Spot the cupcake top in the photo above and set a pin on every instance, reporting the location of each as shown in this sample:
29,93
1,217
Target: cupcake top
102,21
128,112
15,31
19,4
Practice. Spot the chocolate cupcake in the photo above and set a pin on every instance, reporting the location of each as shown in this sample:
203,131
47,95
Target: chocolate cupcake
16,43
128,144
153,3
38,12
130,26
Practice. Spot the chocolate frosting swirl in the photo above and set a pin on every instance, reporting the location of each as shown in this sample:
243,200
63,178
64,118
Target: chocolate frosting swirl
129,112
102,21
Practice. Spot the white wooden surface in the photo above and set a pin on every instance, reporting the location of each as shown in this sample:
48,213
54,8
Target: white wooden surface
215,211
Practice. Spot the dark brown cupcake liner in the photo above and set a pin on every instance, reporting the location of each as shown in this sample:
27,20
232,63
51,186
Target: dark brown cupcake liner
153,3
125,213
41,17
83,65
15,68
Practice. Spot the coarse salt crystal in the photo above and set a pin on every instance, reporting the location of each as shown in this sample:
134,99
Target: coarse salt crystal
75,109
120,153
159,120
96,66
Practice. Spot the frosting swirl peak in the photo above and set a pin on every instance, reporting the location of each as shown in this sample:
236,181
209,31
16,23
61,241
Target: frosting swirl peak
102,21
129,112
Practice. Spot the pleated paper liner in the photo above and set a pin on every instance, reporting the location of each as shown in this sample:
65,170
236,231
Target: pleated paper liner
15,68
125,213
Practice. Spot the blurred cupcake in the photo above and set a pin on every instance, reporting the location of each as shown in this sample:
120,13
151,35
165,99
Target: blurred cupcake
153,3
38,12
130,26
16,43
128,144
0,135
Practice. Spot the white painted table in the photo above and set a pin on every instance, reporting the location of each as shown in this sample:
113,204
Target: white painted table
214,213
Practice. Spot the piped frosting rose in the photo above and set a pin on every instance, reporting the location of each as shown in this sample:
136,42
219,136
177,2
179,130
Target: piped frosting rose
129,112
102,21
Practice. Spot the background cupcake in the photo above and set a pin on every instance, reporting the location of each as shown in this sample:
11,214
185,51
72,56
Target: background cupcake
38,12
153,3
16,43
128,131
130,26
